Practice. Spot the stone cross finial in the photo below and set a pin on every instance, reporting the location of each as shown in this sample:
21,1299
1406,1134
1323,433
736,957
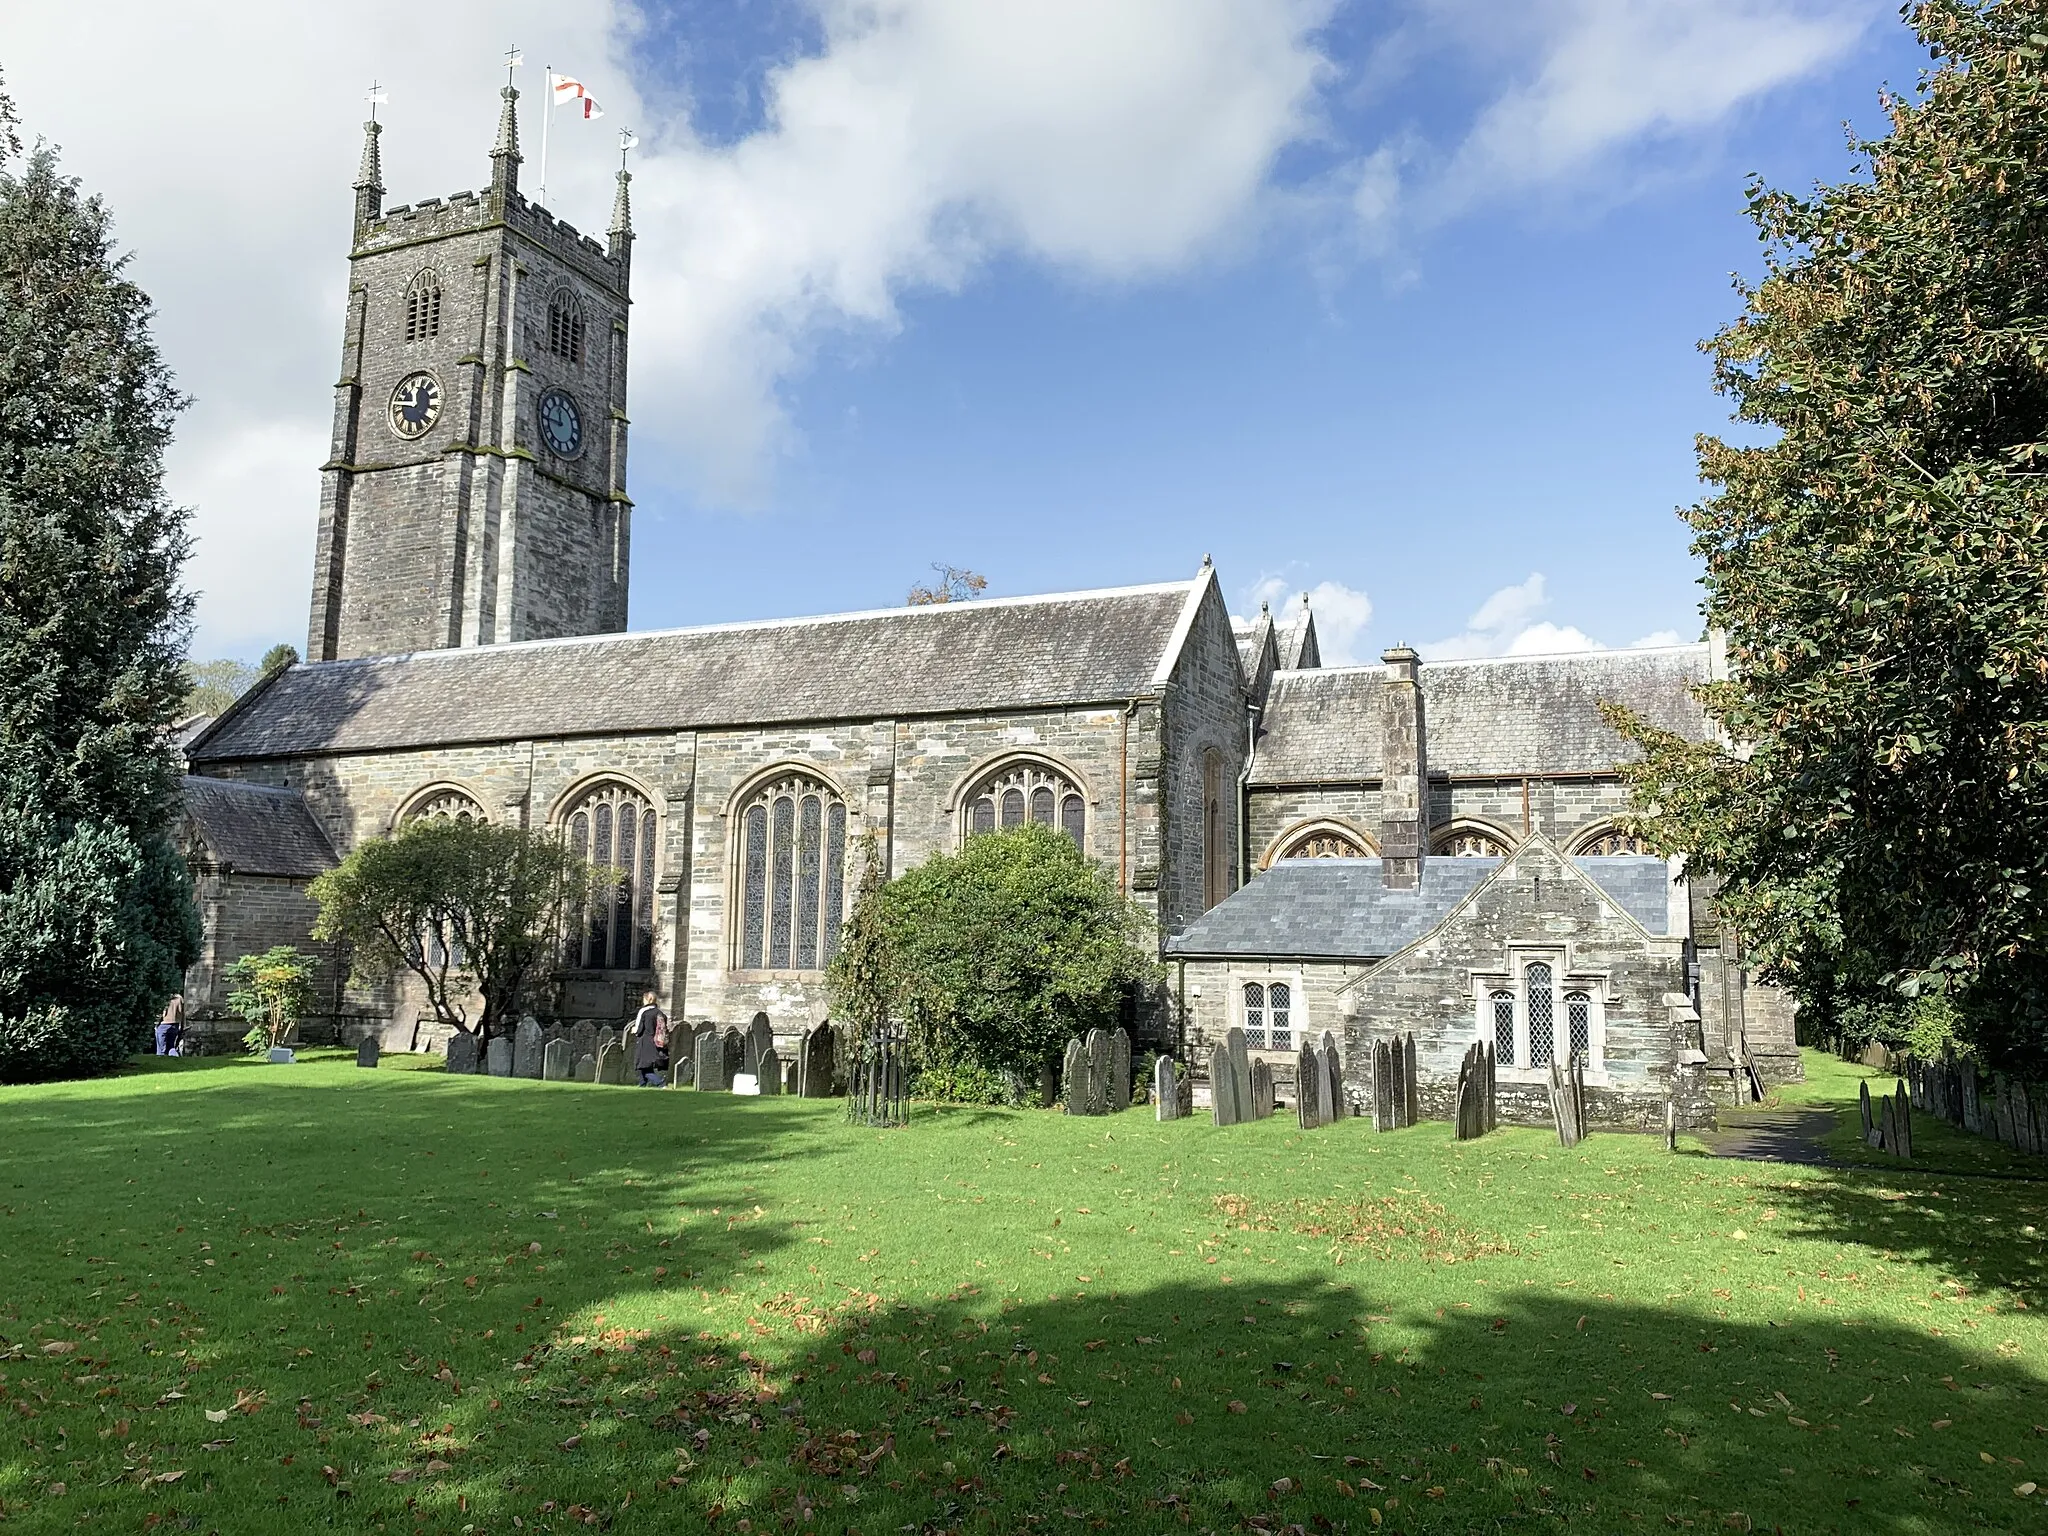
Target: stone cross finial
622,203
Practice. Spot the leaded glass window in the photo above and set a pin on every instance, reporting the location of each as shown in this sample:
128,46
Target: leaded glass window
1541,1013
1610,843
1578,1013
1255,1015
792,876
614,827
1470,844
1323,843
449,804
565,326
423,306
1028,791
1280,1016
1503,1003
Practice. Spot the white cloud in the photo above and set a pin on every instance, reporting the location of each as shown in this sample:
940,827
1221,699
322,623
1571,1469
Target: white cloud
1343,614
1506,624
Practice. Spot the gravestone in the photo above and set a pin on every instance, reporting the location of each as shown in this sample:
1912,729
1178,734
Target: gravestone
462,1052
1411,1101
498,1056
1490,1080
710,1068
1074,1078
586,1069
1973,1103
760,1038
1224,1106
1048,1084
281,1055
1334,1107
682,1069
1397,1087
554,1061
746,1085
1904,1124
1263,1097
814,1060
1888,1124
366,1053
606,1035
611,1063
583,1039
1382,1086
1876,1057
1187,1093
1568,1102
1119,1072
1165,1090
527,1043
769,1070
790,1084
1308,1088
1863,1110
733,1053
1240,1070
1096,1049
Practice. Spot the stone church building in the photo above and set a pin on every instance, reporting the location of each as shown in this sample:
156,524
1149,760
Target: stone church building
1359,849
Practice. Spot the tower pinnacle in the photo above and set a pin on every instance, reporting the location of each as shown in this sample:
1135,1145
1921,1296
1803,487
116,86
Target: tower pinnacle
622,203
505,155
369,177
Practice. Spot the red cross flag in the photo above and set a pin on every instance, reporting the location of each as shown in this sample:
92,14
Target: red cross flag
572,92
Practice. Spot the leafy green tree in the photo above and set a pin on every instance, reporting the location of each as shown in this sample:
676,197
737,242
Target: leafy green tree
277,658
1877,552
472,910
996,954
861,976
211,686
96,917
273,991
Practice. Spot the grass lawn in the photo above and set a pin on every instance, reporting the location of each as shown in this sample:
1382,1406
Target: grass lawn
236,1297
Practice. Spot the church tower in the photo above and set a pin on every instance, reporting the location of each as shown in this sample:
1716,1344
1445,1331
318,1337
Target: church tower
475,489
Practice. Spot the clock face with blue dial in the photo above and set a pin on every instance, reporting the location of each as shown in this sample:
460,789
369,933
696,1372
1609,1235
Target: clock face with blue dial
561,424
415,405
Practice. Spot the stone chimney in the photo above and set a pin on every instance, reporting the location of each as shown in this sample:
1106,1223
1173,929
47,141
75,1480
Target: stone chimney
1404,772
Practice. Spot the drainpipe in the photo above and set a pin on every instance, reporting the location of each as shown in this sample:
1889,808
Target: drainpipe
1252,716
1123,813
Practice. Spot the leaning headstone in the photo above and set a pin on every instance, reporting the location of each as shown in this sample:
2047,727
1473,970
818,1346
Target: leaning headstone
611,1063
1333,1078
682,1068
1397,1083
1863,1110
1489,1084
769,1070
1119,1072
1411,1102
1096,1048
1888,1124
1904,1118
498,1057
1240,1070
462,1052
554,1061
759,1037
1224,1105
528,1042
1383,1086
1187,1094
583,1039
814,1057
733,1045
1074,1079
1165,1090
1263,1096
586,1069
366,1053
281,1055
1308,1088
711,1062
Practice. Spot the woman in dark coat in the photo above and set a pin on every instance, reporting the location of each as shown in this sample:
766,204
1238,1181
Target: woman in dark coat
650,1043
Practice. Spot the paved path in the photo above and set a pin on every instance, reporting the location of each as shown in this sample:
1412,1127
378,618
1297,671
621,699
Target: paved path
1772,1135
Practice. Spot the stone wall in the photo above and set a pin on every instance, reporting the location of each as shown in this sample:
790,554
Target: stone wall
1204,721
1213,989
1536,903
247,915
1276,813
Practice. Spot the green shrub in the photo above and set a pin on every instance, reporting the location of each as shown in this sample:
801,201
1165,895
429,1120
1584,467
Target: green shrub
964,1082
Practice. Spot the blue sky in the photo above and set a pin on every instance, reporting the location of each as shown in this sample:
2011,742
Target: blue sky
1395,301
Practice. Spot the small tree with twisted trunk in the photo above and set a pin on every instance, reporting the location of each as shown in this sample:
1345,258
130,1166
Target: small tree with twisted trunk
472,910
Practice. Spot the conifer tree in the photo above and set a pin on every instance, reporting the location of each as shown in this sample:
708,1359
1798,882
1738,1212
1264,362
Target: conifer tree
1876,551
96,916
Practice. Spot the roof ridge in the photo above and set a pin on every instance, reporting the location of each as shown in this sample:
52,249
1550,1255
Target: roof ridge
1609,652
907,612
211,780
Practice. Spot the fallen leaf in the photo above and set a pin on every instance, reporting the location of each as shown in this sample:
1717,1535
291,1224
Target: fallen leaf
2024,1489
1569,1409
572,1442
402,1475
436,1467
1941,1423
216,1445
56,1490
216,1415
169,1477
1236,1406
1662,1397
59,1347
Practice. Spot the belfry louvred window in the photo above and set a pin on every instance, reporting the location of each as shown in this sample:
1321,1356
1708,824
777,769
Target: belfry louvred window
792,876
614,828
565,326
423,306
1028,792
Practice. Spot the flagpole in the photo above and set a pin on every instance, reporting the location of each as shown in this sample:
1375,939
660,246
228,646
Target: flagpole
547,115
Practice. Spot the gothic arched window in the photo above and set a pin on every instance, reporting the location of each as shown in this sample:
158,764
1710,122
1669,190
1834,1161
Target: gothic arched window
1578,1013
614,827
1028,792
565,325
1503,1004
1611,841
1470,843
1255,1015
451,804
792,875
1280,1016
423,306
1324,843
1542,1014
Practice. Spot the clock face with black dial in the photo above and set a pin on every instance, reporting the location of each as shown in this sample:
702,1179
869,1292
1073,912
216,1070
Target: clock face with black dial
415,404
561,424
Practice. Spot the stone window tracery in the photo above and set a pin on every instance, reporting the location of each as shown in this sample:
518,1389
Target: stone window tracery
1612,842
565,325
1542,1015
1028,791
613,827
1324,843
1470,843
451,804
1268,1016
792,876
423,306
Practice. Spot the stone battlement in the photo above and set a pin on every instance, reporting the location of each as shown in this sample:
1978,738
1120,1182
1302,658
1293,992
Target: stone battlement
433,217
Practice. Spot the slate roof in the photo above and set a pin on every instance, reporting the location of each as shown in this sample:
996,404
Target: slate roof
1499,717
1329,909
1339,909
1004,653
255,830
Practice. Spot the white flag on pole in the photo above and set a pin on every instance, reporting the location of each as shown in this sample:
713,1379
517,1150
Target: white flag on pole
569,91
